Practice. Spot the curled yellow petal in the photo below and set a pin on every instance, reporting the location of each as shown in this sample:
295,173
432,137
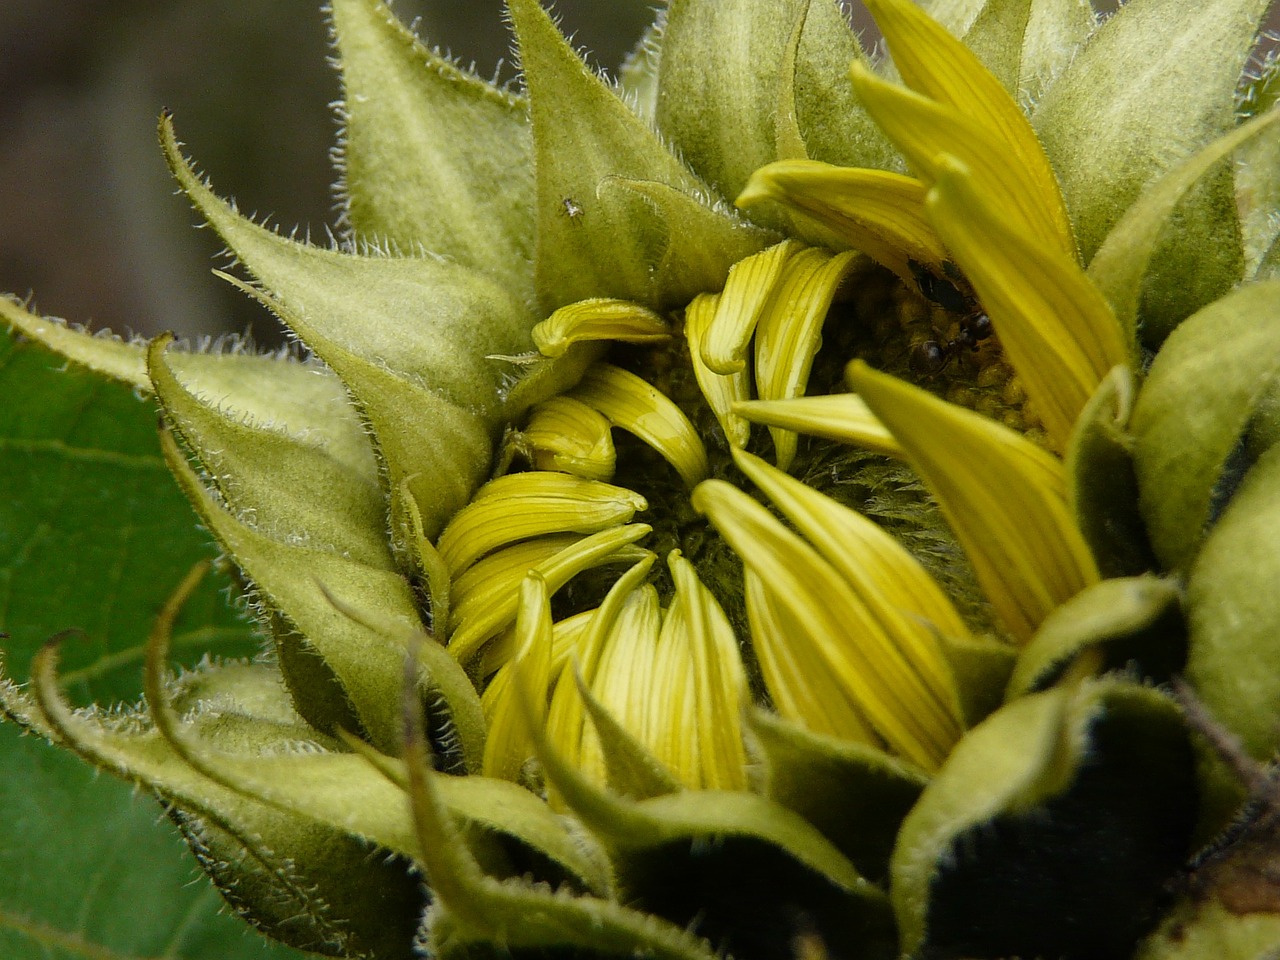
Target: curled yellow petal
876,211
640,408
721,391
599,318
1057,330
937,65
567,435
834,631
790,331
1004,497
746,293
838,416
509,743
526,505
492,618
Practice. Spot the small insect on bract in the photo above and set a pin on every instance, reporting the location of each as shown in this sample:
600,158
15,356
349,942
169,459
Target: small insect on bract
572,209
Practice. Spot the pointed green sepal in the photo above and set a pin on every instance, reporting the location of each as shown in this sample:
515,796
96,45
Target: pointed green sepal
1148,90
287,482
855,794
592,242
1026,44
293,579
1120,266
744,836
1103,485
308,883
434,158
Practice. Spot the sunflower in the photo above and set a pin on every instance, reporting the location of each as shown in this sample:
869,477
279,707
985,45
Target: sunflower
759,509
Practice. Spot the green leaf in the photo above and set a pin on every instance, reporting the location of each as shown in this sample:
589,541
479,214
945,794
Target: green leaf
434,157
94,534
1148,90
88,871
1193,412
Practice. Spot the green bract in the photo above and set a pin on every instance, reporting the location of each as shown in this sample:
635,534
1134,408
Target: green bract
970,662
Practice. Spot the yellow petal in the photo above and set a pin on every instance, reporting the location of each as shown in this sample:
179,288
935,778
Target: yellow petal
641,408
526,505
1059,333
567,718
746,293
924,129
800,685
721,391
937,65
839,416
509,744
875,211
842,635
720,683
598,319
909,606
1004,497
491,619
790,331
567,435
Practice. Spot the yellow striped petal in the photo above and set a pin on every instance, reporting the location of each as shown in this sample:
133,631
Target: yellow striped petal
720,685
937,65
641,408
567,435
721,391
1004,497
909,606
599,318
746,293
509,742
924,130
490,620
499,574
800,685
567,726
526,505
875,211
841,634
790,331
839,416
1057,330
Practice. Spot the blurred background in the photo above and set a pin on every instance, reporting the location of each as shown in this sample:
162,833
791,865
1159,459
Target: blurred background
89,224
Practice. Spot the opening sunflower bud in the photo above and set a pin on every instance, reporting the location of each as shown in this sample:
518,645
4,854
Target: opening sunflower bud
879,667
